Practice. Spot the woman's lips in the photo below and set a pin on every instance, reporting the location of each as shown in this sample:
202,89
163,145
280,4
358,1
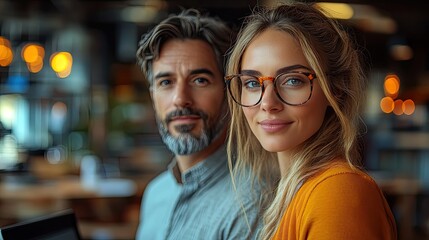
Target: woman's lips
273,125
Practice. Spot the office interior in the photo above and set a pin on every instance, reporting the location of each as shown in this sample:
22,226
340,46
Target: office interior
77,128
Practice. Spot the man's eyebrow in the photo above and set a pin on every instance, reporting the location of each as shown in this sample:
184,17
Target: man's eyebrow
192,72
162,74
202,71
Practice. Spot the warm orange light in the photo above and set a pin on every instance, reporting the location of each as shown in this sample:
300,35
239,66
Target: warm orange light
35,66
30,53
397,109
61,61
408,107
64,73
33,55
3,52
336,10
391,85
386,104
4,42
6,54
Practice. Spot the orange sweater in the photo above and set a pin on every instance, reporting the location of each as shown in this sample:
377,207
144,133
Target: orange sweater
338,203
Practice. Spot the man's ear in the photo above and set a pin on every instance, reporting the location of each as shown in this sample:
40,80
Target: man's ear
151,96
151,92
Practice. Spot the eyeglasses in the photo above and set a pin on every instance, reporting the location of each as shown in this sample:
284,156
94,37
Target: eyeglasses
293,88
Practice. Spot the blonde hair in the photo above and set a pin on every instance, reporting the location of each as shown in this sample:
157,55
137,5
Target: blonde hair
335,59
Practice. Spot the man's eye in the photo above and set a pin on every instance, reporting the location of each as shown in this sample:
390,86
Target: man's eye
164,83
201,81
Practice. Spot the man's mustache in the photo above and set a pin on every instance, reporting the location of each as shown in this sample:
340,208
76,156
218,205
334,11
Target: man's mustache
185,112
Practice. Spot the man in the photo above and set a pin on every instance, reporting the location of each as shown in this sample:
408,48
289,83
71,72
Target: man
183,60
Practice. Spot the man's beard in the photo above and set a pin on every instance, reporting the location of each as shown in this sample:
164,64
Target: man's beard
185,143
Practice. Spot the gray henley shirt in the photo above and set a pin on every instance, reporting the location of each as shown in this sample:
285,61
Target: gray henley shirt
204,206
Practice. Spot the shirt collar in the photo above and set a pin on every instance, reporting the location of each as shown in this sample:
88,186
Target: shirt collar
202,171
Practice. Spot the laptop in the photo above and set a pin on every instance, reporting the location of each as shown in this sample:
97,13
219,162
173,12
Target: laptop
60,225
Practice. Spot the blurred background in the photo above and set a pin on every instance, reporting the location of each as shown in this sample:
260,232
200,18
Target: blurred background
77,129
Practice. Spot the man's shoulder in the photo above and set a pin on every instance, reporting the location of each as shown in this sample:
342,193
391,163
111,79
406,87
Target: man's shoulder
163,181
246,190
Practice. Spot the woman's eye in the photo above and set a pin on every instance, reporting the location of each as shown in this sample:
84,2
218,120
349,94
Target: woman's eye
252,84
293,82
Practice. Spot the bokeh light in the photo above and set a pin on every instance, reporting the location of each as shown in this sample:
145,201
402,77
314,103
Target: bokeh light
390,103
6,54
408,107
30,53
397,109
386,104
59,109
36,66
336,10
33,55
61,63
391,85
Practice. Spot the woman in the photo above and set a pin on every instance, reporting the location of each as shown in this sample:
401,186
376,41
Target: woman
296,87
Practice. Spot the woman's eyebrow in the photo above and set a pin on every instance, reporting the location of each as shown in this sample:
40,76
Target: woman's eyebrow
281,70
291,68
250,72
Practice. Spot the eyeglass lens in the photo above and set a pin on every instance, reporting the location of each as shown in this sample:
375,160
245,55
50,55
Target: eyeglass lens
293,88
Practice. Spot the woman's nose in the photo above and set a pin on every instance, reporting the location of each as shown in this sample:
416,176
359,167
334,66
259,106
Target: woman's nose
270,101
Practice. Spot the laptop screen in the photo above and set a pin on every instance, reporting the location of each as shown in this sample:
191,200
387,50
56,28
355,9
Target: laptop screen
57,226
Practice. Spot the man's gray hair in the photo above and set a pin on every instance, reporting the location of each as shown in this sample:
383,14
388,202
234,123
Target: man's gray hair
189,24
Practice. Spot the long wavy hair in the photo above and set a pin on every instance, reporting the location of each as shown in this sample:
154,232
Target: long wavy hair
336,60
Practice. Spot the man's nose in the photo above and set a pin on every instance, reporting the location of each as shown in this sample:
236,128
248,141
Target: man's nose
182,96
